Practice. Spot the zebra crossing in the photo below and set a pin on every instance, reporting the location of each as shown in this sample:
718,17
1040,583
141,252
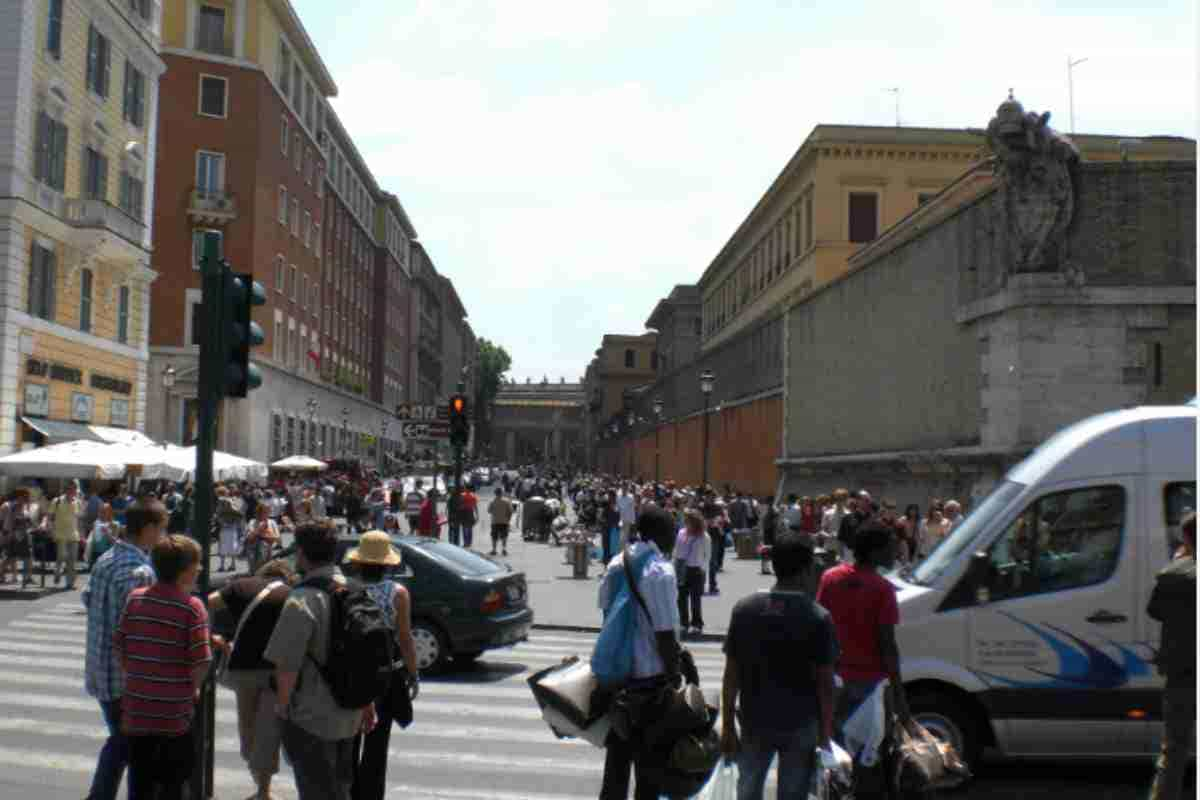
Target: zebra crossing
477,732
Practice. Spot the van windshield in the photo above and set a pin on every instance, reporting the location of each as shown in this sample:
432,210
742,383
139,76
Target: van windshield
950,548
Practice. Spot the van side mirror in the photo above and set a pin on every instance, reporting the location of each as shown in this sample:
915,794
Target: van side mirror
979,577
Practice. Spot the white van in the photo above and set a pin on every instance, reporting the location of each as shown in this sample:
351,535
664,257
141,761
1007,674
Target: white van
1026,629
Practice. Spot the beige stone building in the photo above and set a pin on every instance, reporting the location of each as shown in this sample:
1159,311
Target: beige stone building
79,85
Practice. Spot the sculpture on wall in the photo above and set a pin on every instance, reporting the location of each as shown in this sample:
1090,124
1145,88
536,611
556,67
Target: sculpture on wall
1036,167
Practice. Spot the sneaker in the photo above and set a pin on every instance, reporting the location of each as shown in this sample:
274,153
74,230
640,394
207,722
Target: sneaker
492,553
697,631
504,553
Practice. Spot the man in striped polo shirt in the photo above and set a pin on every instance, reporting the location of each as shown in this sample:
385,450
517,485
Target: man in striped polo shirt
163,643
123,568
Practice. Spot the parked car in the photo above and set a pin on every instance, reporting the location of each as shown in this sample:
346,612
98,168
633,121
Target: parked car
464,603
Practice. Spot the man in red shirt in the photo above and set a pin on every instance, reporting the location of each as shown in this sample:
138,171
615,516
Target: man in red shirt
863,606
427,520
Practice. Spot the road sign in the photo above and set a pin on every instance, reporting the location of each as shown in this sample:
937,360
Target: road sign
425,430
418,413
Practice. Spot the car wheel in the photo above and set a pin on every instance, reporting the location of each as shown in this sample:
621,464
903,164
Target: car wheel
949,722
430,646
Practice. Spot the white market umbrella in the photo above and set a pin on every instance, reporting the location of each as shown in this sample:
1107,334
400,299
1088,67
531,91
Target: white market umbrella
88,460
226,466
299,464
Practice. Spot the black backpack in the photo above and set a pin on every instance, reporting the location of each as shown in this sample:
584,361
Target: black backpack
358,670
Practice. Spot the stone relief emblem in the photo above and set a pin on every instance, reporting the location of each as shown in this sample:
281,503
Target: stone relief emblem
1036,165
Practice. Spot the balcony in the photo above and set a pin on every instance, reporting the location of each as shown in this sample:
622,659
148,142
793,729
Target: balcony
210,206
87,214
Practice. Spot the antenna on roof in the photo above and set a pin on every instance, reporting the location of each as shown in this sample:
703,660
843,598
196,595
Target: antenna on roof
896,91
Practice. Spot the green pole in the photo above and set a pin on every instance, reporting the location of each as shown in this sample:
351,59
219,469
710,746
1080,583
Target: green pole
210,391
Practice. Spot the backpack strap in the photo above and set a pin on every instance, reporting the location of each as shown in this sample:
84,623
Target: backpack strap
632,581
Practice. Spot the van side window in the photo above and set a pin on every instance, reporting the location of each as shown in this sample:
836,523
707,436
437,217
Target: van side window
1178,499
1061,541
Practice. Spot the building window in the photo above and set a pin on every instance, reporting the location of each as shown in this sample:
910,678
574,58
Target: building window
54,22
308,105
297,152
276,435
141,8
213,96
50,164
317,239
307,230
199,237
277,341
284,133
808,222
95,177
85,300
134,106
864,219
42,280
283,205
303,293
130,194
99,62
291,435
297,87
210,31
294,283
210,173
295,217
285,68
630,358
123,315
280,273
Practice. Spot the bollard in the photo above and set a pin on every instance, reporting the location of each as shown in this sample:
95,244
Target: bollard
579,556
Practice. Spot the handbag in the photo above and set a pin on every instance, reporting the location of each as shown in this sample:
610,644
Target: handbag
400,695
919,764
223,672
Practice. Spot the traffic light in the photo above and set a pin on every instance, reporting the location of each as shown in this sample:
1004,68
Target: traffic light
460,426
242,294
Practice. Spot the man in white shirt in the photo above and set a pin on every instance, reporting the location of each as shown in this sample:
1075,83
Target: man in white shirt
627,508
656,641
954,514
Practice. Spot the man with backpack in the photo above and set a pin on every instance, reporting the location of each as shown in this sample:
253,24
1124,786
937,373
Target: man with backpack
331,649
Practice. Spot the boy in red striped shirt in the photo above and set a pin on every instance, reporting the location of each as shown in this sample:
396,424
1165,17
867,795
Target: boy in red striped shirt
163,644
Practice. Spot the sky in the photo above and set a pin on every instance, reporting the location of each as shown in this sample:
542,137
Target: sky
566,163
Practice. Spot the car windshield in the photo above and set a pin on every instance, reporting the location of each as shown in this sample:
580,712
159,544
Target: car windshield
460,561
950,548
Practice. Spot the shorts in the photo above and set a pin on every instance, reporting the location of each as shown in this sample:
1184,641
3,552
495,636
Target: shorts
499,531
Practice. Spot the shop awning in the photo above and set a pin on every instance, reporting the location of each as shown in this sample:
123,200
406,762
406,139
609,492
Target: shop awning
75,431
63,431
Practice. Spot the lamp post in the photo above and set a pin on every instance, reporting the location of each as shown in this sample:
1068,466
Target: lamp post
168,382
311,405
345,430
706,387
658,409
379,448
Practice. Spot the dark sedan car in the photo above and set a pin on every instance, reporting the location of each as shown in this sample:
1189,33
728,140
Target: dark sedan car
463,603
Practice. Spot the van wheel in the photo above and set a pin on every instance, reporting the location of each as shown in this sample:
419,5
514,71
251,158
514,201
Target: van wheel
430,645
948,721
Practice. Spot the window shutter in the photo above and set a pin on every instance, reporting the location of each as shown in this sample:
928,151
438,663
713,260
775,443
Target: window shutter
35,280
41,159
106,64
60,155
91,58
126,105
49,281
103,182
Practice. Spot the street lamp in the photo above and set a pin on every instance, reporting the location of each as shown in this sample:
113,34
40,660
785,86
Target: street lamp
706,386
379,448
311,405
168,382
658,409
345,431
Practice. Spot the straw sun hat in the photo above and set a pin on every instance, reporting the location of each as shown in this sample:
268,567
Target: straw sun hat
375,547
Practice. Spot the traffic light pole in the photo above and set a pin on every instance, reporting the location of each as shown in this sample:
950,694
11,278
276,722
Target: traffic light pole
210,390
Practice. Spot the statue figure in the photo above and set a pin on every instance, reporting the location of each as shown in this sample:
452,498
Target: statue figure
1036,166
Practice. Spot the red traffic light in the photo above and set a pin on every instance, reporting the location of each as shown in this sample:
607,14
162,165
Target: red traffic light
458,405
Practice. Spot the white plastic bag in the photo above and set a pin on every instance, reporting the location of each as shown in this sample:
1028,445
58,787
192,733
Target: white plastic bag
833,775
723,783
865,728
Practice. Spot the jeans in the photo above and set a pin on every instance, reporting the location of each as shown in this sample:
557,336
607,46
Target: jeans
1179,734
114,757
371,757
161,765
717,558
796,750
690,592
468,535
324,768
454,532
618,758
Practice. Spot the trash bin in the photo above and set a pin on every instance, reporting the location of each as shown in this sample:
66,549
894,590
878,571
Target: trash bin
579,559
746,542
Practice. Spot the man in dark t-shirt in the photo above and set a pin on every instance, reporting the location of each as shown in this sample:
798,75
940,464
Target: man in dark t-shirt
779,657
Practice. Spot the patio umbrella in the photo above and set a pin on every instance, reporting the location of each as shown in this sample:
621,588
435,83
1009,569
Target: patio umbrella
299,464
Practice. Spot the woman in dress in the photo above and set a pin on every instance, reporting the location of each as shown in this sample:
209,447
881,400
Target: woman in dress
105,531
372,558
933,529
261,538
229,520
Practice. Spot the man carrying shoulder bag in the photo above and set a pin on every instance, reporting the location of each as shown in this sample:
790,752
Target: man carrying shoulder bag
656,651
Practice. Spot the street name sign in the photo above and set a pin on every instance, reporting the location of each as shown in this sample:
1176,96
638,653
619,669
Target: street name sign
425,430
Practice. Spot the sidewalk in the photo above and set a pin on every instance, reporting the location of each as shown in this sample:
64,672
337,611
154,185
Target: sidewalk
566,603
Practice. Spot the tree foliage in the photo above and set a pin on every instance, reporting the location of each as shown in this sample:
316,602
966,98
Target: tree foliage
494,363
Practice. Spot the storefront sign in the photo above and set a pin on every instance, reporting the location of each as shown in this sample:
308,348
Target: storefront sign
118,413
109,384
56,372
37,400
81,407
